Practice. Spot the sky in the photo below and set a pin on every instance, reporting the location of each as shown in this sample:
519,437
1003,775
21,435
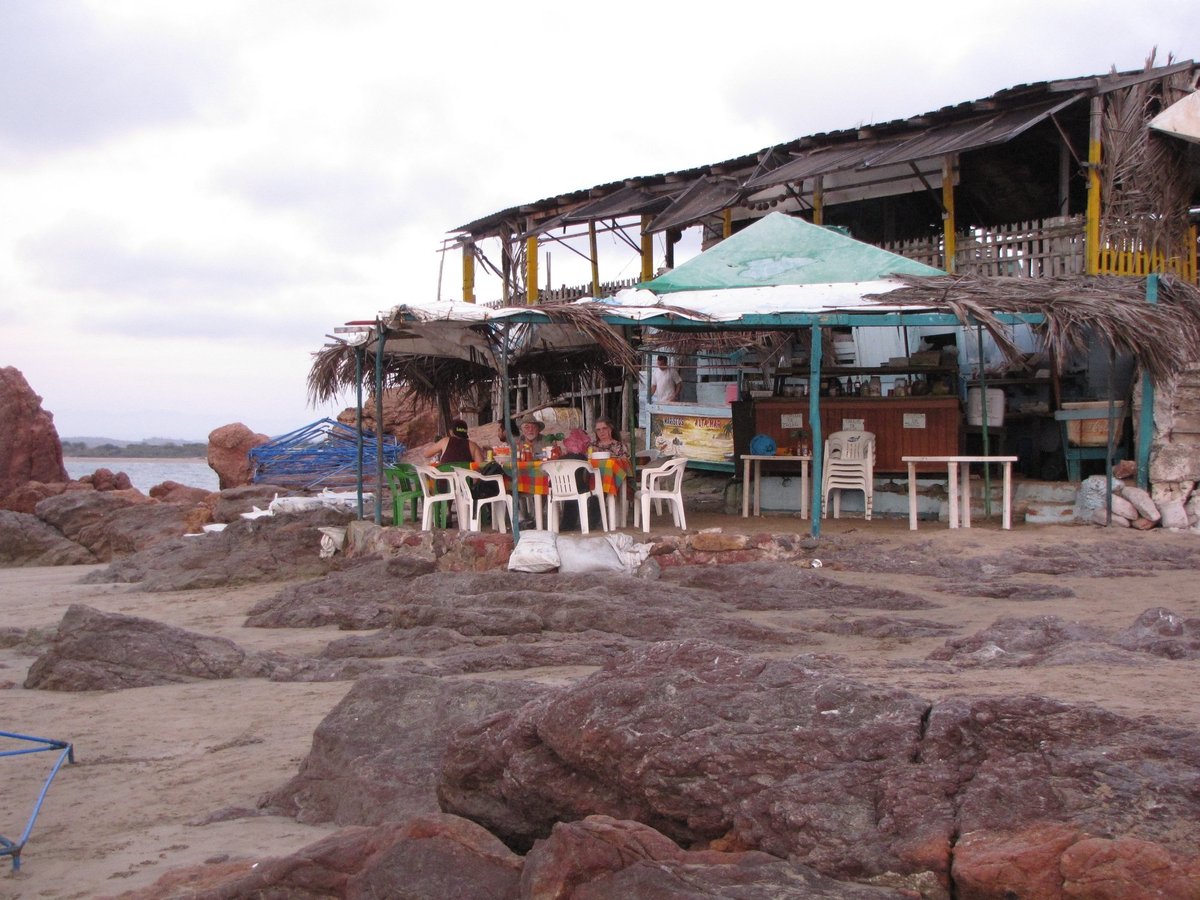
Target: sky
194,195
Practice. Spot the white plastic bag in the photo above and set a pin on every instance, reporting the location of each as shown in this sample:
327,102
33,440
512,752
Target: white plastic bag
614,552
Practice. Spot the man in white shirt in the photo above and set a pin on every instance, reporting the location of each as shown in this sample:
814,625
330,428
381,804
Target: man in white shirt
664,382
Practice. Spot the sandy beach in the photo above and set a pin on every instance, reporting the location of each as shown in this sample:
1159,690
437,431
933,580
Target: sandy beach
154,764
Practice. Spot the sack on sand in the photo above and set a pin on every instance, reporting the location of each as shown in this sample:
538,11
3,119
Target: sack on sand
536,552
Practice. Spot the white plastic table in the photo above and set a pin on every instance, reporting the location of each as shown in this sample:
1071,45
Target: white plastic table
752,481
958,471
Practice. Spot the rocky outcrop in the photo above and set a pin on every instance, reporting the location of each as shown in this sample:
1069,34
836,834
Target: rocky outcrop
411,422
857,781
30,449
378,754
98,651
26,540
429,856
228,454
270,548
113,523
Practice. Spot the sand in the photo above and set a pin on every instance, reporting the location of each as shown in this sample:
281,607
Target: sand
155,762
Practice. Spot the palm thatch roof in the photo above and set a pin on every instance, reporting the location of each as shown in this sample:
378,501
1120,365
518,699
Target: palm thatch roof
1161,338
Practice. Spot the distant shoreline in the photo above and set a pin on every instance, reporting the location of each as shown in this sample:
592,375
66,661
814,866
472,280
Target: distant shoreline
114,462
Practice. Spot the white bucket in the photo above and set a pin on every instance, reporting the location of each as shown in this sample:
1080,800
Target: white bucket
995,407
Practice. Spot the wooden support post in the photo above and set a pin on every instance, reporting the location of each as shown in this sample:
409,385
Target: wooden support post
726,223
818,200
531,270
1092,226
594,257
468,271
814,424
1145,432
948,226
647,250
359,354
381,337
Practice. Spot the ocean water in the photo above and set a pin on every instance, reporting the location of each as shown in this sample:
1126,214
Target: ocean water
146,473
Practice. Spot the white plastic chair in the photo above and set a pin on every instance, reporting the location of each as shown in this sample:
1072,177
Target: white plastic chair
848,465
564,488
664,482
470,507
431,496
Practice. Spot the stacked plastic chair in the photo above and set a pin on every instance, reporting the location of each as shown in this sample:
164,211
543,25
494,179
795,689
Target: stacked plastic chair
406,491
849,465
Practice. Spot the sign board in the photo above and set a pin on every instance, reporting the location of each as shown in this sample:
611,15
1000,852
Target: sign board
702,438
914,420
852,425
792,420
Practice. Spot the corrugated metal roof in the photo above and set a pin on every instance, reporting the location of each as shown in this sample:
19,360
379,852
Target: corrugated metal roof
971,134
629,201
704,197
820,162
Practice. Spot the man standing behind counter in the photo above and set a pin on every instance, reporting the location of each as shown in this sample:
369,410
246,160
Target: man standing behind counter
664,382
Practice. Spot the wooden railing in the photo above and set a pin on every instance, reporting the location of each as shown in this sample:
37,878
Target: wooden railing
1043,249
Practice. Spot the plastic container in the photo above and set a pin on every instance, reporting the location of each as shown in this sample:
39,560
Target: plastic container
995,407
1094,432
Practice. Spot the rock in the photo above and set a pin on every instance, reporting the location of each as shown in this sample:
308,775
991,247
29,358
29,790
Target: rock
1162,633
1101,517
1142,501
97,651
25,540
1143,524
29,446
1174,515
232,502
600,858
432,856
114,523
107,480
1124,469
1193,509
228,454
1123,508
174,492
26,498
412,422
378,754
857,781
270,548
1014,641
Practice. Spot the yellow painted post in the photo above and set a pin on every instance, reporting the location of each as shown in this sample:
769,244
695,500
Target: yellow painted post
468,271
819,200
531,275
647,250
726,223
594,257
1092,223
948,227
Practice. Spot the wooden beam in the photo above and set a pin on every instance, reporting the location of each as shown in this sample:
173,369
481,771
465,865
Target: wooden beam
818,200
949,229
1092,219
594,256
468,271
531,271
647,249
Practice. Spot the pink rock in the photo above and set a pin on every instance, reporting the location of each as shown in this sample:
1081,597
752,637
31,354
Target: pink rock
29,446
229,454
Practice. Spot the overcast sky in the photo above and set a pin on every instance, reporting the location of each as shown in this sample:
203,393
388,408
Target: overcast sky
192,195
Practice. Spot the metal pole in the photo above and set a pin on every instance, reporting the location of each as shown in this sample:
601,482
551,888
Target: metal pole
987,472
382,332
359,353
1146,416
814,423
512,444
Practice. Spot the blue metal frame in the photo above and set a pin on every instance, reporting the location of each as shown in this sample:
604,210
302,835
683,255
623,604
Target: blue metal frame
14,848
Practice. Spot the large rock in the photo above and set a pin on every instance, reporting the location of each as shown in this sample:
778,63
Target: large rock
25,540
29,446
270,548
857,781
229,454
600,858
378,754
98,651
411,422
433,856
114,523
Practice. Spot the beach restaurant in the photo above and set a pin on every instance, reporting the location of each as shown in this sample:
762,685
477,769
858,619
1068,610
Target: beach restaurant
788,290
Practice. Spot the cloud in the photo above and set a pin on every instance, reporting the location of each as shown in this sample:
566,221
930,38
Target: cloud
92,256
70,81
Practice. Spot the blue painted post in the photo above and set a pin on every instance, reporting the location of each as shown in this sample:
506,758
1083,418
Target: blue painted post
506,406
1146,420
814,423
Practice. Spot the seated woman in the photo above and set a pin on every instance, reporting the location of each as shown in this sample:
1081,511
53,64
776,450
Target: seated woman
456,447
606,440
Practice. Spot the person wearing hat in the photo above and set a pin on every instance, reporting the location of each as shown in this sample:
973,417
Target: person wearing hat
531,435
456,447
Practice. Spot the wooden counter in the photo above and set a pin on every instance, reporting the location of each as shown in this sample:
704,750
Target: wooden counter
903,426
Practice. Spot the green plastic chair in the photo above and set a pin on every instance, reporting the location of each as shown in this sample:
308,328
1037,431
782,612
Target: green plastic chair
406,490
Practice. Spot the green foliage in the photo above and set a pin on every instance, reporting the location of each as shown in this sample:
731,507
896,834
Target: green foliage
136,451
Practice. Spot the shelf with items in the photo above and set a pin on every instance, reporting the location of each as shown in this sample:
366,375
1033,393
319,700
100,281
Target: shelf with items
865,381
